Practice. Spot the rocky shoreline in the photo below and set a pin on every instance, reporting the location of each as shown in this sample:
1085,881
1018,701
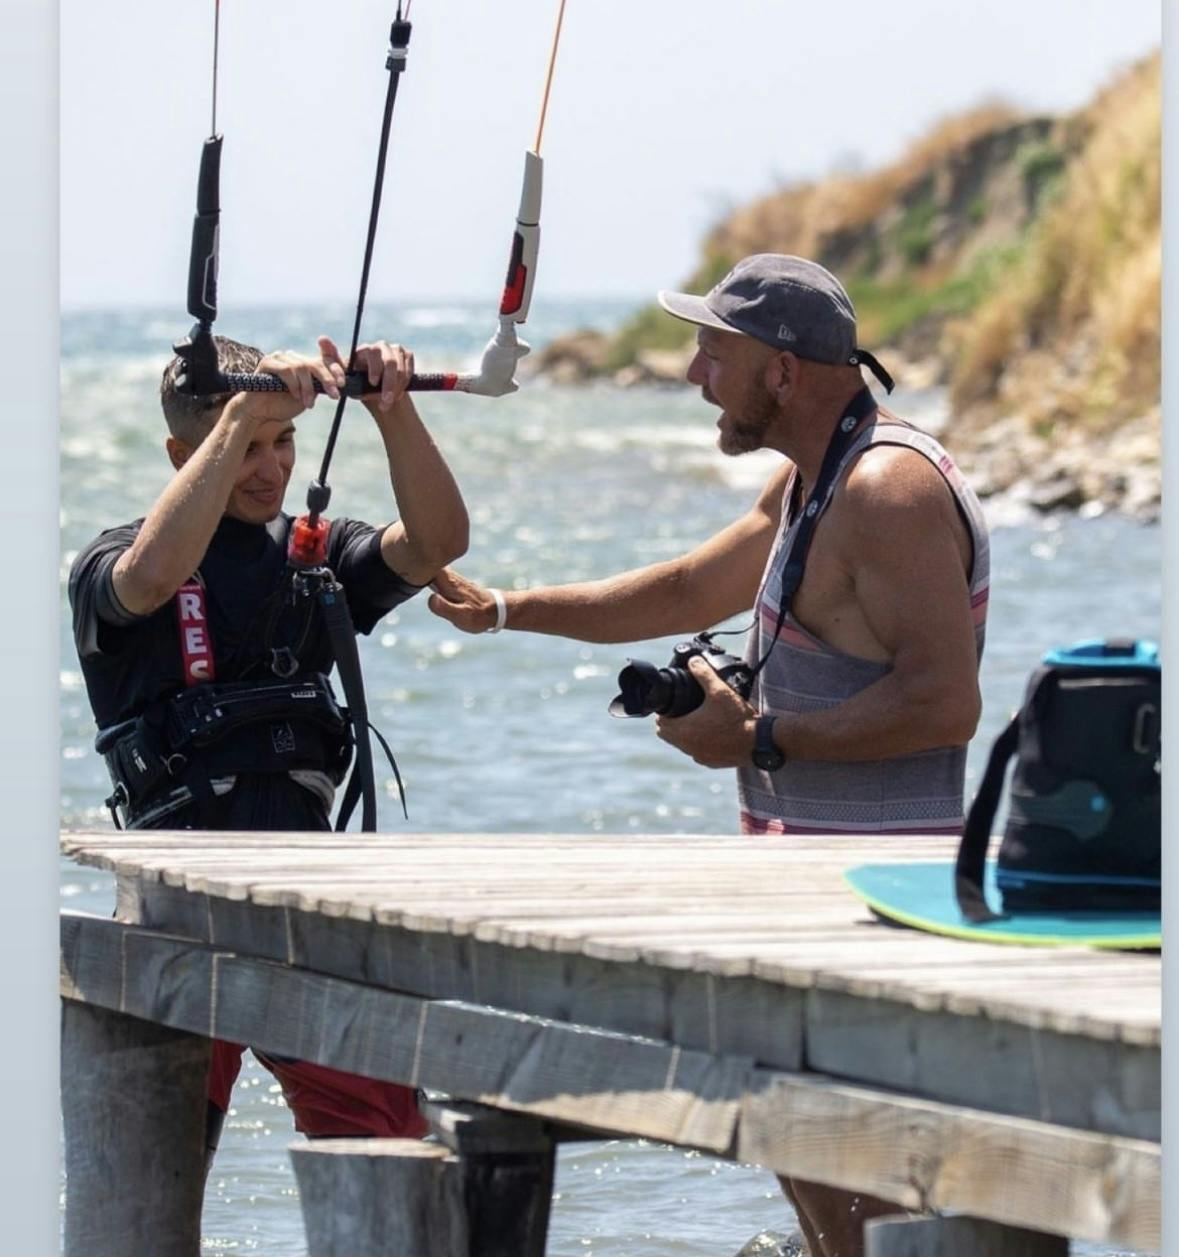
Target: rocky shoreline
1064,468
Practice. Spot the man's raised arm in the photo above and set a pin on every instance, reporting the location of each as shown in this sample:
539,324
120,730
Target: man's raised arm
177,530
432,526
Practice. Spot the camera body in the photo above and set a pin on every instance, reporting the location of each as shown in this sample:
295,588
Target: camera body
674,691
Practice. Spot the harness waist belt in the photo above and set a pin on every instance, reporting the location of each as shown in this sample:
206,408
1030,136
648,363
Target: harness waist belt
221,729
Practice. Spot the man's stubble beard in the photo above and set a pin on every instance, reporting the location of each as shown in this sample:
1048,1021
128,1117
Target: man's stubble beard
746,432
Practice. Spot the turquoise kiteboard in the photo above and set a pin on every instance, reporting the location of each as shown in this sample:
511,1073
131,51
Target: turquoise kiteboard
922,896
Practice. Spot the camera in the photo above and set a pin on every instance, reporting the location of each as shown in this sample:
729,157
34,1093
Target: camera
674,691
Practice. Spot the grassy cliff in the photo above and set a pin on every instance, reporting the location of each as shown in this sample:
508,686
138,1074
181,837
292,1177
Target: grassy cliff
1013,258
1073,333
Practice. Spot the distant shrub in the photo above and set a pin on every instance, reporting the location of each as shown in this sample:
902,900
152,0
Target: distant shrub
1041,165
914,233
885,311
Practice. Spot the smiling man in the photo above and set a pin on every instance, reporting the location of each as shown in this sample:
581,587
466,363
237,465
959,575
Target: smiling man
866,692
199,591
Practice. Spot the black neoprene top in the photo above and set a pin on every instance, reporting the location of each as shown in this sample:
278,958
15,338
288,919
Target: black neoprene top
129,660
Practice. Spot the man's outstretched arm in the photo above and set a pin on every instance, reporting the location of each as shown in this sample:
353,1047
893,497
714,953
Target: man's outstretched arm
712,582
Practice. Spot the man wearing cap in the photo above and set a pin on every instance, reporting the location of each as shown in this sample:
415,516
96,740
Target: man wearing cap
866,560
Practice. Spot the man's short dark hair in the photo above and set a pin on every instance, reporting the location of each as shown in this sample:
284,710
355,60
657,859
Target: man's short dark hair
190,419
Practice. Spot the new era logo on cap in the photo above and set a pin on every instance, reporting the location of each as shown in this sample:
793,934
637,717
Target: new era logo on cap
784,333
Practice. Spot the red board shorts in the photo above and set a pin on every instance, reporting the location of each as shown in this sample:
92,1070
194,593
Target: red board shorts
325,1102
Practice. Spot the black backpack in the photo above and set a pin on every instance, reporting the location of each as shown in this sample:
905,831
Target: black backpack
1084,829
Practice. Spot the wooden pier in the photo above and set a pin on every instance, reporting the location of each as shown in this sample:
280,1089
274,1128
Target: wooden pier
724,994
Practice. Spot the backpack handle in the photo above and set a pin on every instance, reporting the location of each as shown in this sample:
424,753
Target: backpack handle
976,835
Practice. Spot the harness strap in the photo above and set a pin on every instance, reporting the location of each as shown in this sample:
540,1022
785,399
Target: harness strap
976,836
342,636
352,793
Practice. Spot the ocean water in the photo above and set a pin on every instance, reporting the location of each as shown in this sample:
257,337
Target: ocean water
562,485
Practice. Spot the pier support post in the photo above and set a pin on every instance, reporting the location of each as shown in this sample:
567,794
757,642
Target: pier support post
133,1109
483,1190
957,1237
376,1197
505,1171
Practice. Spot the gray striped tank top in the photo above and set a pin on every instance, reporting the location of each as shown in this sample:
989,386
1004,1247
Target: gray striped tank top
912,794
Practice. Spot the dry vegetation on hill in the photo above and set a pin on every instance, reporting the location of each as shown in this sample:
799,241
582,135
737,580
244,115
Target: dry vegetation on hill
1082,309
1016,259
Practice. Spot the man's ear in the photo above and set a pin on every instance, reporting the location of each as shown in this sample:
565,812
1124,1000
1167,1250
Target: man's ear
178,452
781,375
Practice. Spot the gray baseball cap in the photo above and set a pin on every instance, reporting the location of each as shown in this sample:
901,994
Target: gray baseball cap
786,302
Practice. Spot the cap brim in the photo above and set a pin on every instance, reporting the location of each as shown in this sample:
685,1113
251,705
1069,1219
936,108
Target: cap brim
692,309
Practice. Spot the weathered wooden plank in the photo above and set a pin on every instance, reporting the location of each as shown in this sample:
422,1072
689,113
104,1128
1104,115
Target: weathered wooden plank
957,1237
883,969
733,1016
133,1109
619,1084
684,955
1090,1083
667,855
930,1156
820,848
322,875
572,1074
885,1042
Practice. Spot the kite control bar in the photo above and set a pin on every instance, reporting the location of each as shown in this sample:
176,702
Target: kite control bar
204,380
495,377
497,368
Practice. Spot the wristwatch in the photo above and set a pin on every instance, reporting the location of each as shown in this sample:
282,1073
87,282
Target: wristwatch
766,754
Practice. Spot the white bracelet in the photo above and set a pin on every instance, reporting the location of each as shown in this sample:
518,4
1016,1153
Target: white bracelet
501,611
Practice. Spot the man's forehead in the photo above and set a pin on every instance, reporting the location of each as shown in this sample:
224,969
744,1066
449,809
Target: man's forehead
714,336
273,429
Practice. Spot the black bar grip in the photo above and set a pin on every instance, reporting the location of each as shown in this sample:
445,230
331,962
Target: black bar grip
357,383
237,382
202,258
243,382
209,178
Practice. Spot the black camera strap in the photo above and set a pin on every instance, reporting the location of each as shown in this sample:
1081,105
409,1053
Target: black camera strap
859,408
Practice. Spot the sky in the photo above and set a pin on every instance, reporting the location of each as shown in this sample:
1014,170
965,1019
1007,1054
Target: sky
664,114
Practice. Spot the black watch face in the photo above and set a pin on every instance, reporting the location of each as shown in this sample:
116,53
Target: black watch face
766,754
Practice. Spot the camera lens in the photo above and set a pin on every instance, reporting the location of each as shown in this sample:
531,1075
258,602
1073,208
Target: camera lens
685,693
646,689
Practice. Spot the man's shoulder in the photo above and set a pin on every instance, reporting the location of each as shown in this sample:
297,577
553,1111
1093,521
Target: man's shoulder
894,494
346,526
110,540
118,532
349,539
888,476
